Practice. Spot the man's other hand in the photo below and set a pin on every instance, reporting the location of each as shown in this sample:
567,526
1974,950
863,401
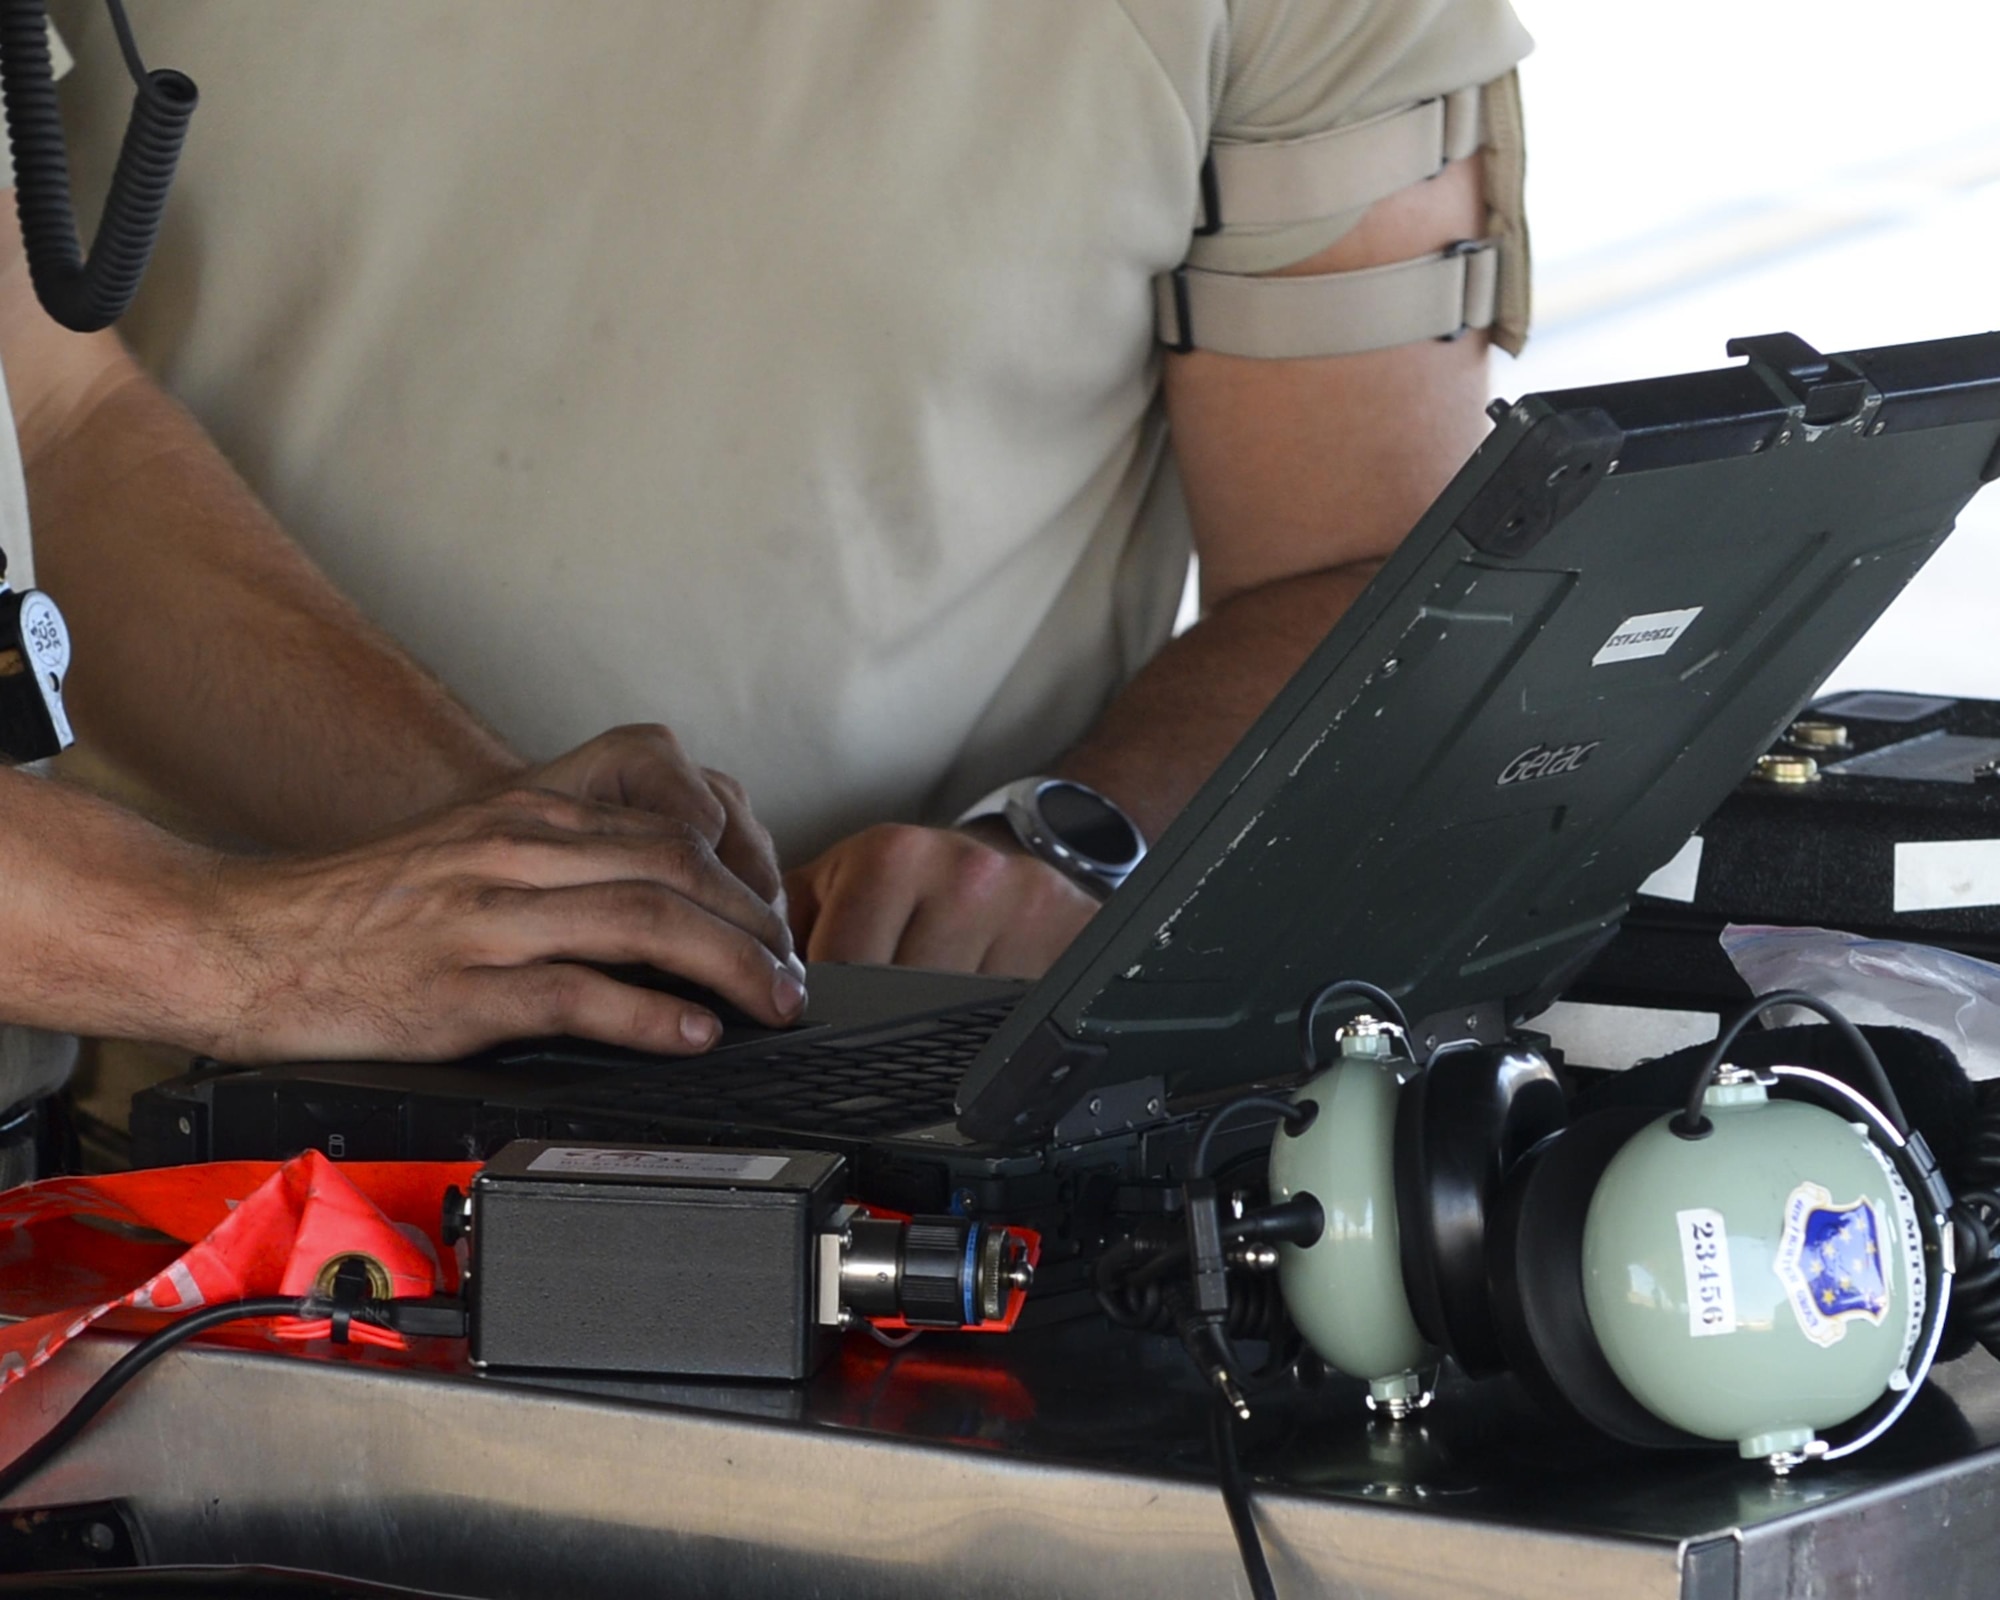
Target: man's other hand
643,767
947,898
467,927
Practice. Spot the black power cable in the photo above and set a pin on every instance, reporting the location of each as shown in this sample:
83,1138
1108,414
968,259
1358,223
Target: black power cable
1152,1283
438,1317
1236,1499
134,1361
87,295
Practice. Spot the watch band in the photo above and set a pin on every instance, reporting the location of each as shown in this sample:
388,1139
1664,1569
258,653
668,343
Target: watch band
1098,856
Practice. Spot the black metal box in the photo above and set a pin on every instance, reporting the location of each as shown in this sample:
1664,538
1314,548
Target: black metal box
1879,813
627,1258
1892,831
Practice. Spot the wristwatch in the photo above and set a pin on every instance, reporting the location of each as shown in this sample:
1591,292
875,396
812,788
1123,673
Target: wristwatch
1076,830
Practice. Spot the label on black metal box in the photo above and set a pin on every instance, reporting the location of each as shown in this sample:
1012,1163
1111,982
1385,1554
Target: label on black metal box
712,1164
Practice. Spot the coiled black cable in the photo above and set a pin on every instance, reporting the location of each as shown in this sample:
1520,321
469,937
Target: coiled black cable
1135,1298
1977,1164
85,295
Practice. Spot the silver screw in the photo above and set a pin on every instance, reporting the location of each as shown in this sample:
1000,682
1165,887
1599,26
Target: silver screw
1096,1104
185,1125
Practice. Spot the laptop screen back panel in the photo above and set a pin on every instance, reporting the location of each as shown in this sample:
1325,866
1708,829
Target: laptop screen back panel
1614,609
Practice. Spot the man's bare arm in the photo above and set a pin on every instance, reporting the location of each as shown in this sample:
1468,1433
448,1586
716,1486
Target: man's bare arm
211,658
215,663
473,924
1301,477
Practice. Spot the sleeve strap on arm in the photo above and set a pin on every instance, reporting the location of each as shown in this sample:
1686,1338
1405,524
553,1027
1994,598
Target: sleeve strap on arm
1331,314
1344,169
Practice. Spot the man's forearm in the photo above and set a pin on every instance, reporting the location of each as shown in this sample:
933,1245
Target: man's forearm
211,659
98,916
475,923
1172,725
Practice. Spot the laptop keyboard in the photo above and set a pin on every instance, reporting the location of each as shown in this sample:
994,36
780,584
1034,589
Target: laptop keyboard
865,1084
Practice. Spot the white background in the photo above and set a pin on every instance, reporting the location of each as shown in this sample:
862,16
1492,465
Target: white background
1708,168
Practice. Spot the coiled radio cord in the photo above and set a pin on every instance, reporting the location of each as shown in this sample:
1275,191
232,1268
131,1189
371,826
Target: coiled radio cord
87,295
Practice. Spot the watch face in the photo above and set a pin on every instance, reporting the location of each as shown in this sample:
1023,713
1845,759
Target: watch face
44,634
1088,824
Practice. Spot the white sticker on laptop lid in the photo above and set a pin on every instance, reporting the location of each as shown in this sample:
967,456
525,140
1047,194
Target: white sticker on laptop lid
1654,634
720,1165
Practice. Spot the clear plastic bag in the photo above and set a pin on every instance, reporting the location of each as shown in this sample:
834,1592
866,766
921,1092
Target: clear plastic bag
1953,997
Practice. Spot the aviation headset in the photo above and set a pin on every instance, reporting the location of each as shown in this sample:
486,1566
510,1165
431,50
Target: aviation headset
1768,1267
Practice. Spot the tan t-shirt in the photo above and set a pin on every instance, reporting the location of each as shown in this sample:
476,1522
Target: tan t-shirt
778,369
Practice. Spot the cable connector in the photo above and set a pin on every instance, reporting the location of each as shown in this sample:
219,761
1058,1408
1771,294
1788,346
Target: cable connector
1201,1324
441,1316
1300,1221
1207,1265
1231,1395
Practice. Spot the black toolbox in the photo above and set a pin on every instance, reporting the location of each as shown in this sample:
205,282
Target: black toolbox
1877,813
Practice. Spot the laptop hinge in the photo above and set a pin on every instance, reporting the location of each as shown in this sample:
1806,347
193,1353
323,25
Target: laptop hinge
1484,1022
1113,1108
1554,468
1040,1083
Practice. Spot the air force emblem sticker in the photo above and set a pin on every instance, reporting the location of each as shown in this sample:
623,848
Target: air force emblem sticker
1831,1263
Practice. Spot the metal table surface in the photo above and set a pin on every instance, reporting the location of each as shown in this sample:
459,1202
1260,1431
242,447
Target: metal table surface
1069,1461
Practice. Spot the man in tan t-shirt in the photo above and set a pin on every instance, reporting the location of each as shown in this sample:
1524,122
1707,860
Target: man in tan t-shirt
437,892
788,372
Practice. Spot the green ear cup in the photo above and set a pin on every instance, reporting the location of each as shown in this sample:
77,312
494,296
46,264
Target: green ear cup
1345,1290
1761,1283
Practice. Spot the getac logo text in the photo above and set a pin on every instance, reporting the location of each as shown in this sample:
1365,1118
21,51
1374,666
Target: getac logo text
1542,761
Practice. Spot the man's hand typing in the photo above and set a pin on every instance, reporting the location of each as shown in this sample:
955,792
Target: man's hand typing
959,899
465,927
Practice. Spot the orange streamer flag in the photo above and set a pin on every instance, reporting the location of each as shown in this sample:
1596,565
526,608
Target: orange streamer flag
76,1250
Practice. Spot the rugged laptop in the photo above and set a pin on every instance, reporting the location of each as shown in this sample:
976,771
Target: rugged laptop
1612,611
